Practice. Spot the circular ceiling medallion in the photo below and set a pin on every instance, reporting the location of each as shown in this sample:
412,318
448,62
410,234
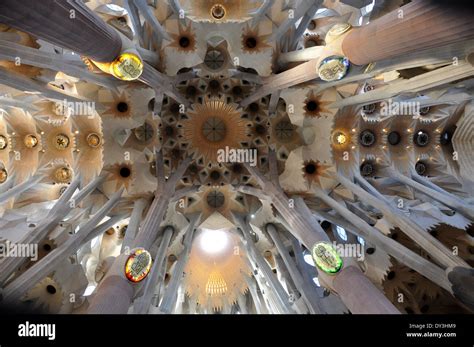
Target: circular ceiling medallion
63,175
394,138
61,141
421,168
93,140
326,258
367,169
333,68
215,199
214,59
30,141
218,11
421,138
214,129
138,265
213,126
367,138
3,142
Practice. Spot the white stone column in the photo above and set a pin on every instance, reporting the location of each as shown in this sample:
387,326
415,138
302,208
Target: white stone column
20,188
171,291
436,249
69,24
445,198
143,303
308,294
399,252
308,231
280,293
259,307
60,210
242,301
19,286
135,219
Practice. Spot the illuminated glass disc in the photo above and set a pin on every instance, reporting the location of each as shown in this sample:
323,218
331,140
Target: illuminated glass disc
138,265
333,68
3,175
127,67
326,258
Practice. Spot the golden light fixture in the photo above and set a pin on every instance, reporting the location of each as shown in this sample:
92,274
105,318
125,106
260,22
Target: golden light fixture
93,140
30,141
3,175
218,11
127,67
61,141
216,284
3,142
63,174
340,138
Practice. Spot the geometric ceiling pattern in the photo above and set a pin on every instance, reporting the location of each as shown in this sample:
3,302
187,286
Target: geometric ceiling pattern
251,157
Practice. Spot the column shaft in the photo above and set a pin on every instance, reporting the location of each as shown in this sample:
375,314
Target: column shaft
308,294
171,291
437,250
416,26
135,219
446,199
144,302
280,293
308,231
69,24
399,252
48,264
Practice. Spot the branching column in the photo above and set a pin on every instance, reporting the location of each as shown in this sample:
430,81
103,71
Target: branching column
259,306
171,291
398,251
165,192
356,291
281,295
60,210
115,281
437,250
20,188
445,198
156,274
135,219
309,295
46,265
